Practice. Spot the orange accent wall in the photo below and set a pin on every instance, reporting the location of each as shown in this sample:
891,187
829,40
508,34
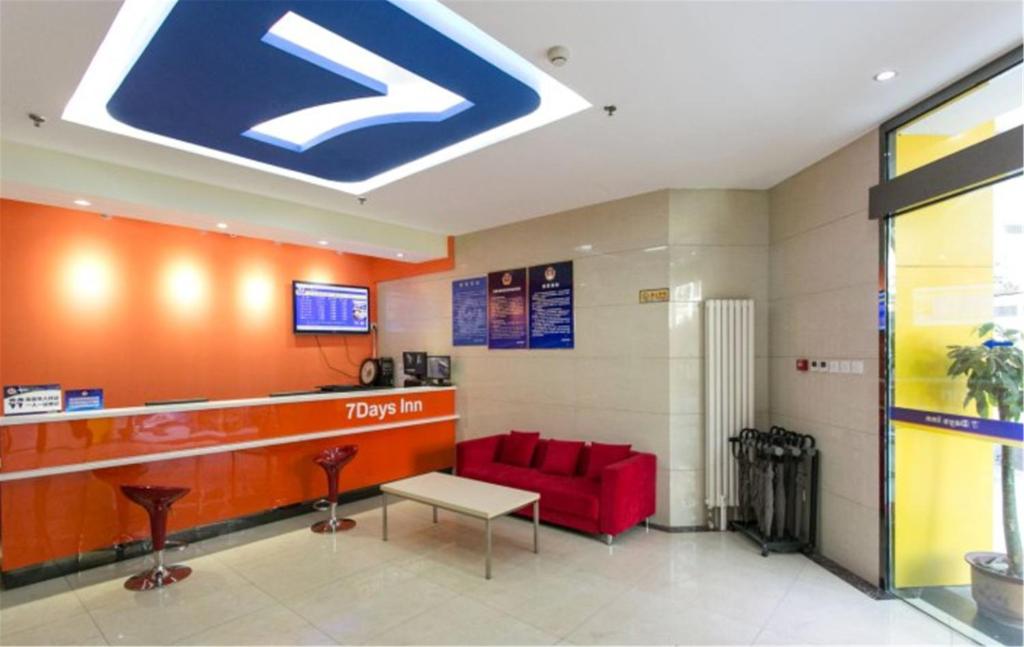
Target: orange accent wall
149,311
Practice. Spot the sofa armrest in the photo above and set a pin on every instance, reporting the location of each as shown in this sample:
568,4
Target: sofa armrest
477,451
627,492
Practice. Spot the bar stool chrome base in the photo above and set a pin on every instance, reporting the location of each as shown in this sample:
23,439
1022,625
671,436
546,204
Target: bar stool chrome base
157,577
333,524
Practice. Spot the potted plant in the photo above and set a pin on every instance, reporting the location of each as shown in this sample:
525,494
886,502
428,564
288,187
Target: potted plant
994,381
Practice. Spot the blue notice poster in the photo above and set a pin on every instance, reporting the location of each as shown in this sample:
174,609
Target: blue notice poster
506,309
551,320
469,312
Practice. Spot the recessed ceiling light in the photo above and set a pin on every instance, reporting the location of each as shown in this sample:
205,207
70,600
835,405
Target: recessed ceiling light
222,225
321,242
83,203
886,75
400,255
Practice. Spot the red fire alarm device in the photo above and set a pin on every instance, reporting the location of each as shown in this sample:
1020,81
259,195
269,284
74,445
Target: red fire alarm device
801,365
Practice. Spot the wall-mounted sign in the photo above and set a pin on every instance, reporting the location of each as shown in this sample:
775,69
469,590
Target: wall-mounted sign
656,295
506,309
83,399
551,315
469,312
36,398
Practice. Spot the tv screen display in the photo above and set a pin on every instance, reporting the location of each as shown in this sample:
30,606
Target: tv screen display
329,308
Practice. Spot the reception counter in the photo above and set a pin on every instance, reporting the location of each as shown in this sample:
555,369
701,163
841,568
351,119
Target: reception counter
60,473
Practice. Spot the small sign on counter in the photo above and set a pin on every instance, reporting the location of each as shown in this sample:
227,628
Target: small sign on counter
35,398
83,399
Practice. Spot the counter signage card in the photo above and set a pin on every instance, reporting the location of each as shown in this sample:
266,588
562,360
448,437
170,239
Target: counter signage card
83,399
551,313
506,309
469,312
35,398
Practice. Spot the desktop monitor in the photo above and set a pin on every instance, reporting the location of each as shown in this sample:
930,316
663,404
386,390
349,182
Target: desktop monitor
414,364
439,368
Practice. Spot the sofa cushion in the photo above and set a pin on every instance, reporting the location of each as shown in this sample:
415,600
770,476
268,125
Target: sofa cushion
502,474
561,457
580,497
518,448
602,455
570,495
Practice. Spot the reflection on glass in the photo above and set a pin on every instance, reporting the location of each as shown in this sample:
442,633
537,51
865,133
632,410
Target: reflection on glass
976,115
956,300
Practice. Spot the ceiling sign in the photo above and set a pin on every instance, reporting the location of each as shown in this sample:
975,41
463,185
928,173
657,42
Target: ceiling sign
346,95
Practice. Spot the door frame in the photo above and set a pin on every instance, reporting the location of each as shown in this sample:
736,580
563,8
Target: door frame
993,160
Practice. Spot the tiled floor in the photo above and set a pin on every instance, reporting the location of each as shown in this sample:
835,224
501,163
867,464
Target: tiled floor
281,584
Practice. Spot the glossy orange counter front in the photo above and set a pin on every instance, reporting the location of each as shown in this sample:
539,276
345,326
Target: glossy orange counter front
59,473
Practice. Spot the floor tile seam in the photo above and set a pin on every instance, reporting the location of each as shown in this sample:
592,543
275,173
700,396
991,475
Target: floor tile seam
283,601
299,612
953,633
510,614
184,639
518,619
84,612
599,609
87,610
782,598
369,639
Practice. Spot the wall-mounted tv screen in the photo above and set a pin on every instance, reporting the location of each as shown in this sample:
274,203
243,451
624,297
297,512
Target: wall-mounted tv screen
329,308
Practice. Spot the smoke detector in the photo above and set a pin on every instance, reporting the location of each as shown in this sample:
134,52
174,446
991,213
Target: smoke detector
558,55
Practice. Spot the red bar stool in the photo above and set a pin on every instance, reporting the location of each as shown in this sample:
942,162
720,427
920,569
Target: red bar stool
332,460
156,500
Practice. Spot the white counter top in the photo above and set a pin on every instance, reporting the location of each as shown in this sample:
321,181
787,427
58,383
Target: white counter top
92,414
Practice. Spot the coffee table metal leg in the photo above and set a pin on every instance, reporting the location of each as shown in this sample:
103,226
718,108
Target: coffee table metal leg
385,526
536,524
487,531
435,514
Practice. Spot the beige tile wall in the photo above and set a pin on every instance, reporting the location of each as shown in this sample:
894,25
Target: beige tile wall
805,252
613,386
719,248
823,304
635,374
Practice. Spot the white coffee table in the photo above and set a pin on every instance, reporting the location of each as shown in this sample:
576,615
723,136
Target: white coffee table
466,496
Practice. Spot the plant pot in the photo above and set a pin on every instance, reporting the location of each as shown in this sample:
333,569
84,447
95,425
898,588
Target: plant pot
999,595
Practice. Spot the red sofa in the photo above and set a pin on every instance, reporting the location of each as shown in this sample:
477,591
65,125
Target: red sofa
613,499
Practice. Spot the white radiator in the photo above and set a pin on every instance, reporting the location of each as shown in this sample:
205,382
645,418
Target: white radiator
729,395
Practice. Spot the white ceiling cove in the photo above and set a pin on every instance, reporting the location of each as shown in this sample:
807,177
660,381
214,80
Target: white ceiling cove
709,94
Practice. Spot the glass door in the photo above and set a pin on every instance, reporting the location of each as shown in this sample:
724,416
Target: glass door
952,203
956,309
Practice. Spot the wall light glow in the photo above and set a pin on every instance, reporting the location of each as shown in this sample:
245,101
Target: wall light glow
319,275
186,286
256,293
89,279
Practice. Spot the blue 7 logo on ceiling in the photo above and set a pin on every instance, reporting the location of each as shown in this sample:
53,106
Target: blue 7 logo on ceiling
347,95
